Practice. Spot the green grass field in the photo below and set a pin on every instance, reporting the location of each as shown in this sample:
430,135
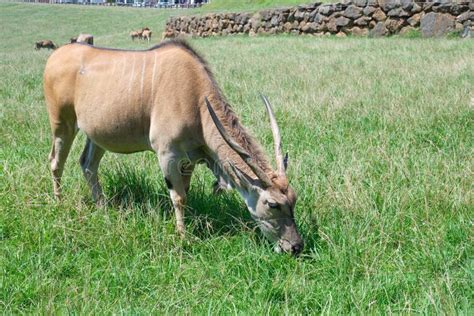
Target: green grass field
380,134
250,5
253,4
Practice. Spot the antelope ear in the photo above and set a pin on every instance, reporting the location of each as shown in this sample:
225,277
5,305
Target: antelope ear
240,175
244,179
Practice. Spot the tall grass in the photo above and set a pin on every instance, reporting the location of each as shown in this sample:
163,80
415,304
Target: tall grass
380,136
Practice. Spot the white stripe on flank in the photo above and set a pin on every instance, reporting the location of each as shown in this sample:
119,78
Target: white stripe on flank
124,67
132,74
121,79
153,78
143,78
111,83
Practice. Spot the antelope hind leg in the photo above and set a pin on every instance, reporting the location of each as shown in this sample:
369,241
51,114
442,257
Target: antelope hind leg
63,136
90,160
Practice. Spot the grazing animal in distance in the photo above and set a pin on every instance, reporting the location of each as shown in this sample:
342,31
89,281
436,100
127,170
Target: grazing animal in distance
139,34
165,100
135,34
167,34
45,44
146,35
85,38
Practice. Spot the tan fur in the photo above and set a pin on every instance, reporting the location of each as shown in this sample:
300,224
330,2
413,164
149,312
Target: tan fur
129,101
146,35
135,34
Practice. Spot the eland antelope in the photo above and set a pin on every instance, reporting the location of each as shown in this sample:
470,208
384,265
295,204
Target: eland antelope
146,35
165,100
45,44
135,34
85,38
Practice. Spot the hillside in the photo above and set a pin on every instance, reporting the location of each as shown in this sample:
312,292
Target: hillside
229,5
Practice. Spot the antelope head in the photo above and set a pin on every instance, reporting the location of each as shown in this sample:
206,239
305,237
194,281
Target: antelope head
270,199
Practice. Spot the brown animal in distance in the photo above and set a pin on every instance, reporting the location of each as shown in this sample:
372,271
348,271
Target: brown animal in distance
164,100
139,34
135,34
45,44
85,38
146,35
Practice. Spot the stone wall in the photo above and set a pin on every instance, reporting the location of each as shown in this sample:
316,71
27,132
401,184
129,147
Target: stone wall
356,17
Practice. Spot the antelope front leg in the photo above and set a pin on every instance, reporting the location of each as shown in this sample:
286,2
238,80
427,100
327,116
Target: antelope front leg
179,202
169,163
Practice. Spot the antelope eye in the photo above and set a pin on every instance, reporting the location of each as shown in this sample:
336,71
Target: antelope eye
273,204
